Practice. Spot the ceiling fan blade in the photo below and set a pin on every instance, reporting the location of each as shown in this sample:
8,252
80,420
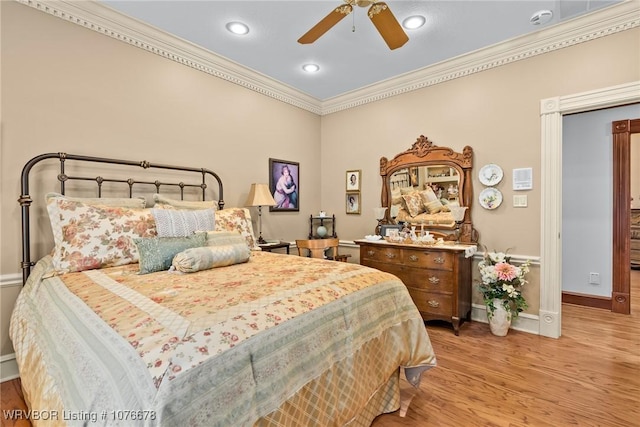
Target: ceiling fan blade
325,25
387,25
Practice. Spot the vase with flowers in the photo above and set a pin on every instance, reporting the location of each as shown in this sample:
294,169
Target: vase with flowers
501,289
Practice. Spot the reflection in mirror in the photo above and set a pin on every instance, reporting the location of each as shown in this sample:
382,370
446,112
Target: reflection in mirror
421,187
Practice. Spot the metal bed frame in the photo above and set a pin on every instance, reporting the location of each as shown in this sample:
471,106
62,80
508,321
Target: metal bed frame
25,199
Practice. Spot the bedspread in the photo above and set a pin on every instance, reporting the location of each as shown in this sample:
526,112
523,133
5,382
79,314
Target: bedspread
225,346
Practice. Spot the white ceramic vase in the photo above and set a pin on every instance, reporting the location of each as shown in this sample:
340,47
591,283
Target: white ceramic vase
500,322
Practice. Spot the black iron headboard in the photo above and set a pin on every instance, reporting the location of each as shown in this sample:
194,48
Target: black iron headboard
25,199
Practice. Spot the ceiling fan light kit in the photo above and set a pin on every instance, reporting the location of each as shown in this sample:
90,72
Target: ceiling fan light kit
379,13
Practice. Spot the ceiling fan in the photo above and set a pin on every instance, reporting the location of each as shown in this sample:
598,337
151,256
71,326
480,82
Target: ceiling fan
379,13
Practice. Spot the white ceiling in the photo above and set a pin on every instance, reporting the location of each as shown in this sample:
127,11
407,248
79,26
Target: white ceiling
348,59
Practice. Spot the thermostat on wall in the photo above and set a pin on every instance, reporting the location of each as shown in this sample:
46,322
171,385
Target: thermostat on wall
523,179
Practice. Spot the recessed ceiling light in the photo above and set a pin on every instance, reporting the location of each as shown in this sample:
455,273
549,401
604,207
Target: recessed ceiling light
237,28
413,22
311,68
541,17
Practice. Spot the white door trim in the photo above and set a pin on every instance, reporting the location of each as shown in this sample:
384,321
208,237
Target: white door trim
551,112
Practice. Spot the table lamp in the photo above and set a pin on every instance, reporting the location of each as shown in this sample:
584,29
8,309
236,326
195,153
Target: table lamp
259,195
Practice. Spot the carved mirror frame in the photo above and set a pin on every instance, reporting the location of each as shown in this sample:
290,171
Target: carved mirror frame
424,152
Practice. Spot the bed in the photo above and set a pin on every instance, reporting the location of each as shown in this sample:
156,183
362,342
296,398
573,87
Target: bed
104,333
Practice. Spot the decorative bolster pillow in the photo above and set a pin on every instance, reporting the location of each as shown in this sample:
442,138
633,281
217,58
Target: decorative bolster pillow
206,257
156,253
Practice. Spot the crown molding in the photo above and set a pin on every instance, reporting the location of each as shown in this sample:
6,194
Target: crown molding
601,23
100,18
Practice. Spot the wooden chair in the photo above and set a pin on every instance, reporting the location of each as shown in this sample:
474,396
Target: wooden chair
316,248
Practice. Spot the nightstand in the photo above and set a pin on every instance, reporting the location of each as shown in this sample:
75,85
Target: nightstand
268,247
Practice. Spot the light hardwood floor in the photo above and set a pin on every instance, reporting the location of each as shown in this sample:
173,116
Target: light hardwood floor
588,377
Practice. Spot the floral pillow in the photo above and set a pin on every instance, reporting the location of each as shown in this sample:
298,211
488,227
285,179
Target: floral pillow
413,203
95,236
237,219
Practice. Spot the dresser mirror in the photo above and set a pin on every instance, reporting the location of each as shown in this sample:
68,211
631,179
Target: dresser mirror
424,186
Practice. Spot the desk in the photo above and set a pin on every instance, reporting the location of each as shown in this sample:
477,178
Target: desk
268,247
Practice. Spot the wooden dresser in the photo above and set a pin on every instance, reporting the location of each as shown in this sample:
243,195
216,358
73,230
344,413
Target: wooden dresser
635,238
438,278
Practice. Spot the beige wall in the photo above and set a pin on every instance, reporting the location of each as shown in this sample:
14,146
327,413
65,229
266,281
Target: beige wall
496,112
66,88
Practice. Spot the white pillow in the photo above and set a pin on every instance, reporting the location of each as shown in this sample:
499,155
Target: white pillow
163,202
182,223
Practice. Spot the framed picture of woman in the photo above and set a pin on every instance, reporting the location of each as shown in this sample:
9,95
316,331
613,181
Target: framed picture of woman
353,180
353,203
284,182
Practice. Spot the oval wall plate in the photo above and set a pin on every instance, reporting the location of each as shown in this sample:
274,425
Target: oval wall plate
490,198
490,174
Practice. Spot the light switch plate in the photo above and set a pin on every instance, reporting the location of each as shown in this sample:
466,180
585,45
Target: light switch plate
520,201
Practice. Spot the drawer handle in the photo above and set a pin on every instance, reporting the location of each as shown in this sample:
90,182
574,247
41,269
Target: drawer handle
413,258
434,304
439,260
390,255
371,253
434,280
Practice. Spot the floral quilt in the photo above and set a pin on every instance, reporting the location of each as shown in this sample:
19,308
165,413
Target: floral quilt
225,346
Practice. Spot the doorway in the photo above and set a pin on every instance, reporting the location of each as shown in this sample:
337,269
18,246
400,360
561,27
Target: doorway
551,111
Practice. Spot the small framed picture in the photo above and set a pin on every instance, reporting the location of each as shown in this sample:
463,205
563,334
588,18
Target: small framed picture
353,203
353,180
390,230
284,182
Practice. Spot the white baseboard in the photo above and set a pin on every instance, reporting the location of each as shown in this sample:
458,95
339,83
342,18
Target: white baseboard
525,322
8,367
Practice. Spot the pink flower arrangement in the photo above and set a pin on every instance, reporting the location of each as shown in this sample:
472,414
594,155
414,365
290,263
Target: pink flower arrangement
503,281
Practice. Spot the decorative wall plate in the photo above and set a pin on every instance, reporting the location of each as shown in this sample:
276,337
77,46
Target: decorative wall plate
490,198
490,174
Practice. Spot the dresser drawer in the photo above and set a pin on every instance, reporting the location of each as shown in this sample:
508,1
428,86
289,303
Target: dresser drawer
635,244
429,280
433,303
381,253
437,278
428,259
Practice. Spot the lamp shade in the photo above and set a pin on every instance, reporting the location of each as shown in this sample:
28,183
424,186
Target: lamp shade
259,195
379,213
458,212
